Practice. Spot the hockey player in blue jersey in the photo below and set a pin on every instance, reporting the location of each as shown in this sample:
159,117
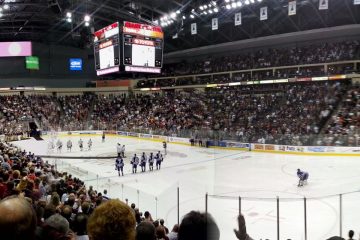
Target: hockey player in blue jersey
303,177
158,159
134,162
151,162
143,162
119,165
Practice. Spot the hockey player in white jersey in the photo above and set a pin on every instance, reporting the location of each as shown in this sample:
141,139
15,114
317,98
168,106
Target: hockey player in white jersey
69,145
123,151
89,144
118,149
59,145
81,144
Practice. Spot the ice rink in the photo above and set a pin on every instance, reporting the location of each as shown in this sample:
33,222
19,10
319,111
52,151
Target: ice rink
225,175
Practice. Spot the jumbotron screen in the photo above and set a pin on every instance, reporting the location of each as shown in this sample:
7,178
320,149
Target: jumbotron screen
107,49
143,47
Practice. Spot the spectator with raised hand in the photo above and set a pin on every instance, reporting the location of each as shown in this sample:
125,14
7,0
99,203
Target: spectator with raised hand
241,233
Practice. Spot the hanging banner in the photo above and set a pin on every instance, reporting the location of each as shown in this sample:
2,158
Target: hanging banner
356,2
193,29
263,13
237,19
323,4
214,24
292,8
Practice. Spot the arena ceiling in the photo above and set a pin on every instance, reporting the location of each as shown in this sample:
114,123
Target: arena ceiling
45,20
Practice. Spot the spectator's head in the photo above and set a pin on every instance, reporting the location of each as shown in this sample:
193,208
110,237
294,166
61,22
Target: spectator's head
55,227
80,223
66,212
145,231
160,232
20,220
198,226
85,207
112,220
351,234
175,228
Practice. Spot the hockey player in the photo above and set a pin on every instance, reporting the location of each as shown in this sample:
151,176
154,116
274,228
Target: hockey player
134,162
59,145
164,146
303,177
103,137
69,145
119,165
123,151
158,159
143,162
118,149
151,162
89,144
81,144
51,146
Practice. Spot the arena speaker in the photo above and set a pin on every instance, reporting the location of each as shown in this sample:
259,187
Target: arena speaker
54,6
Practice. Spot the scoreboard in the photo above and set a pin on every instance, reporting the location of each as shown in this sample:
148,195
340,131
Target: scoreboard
139,49
107,49
143,47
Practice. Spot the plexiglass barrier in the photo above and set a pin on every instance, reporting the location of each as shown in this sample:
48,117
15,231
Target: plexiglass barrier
295,218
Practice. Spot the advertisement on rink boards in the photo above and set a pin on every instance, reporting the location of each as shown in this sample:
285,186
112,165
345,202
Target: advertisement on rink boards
178,140
159,137
305,149
237,145
145,135
122,133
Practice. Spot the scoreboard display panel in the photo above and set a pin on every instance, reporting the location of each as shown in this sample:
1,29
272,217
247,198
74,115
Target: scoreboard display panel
142,47
107,49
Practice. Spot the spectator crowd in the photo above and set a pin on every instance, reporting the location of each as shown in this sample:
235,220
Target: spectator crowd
252,63
294,113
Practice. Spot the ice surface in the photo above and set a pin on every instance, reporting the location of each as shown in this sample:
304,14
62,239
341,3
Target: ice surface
225,175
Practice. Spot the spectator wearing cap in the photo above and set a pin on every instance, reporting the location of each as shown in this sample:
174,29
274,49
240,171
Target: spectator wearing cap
55,227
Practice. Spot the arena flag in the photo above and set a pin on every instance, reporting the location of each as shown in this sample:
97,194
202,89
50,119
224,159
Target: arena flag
193,29
215,24
292,8
237,19
323,4
356,2
263,13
